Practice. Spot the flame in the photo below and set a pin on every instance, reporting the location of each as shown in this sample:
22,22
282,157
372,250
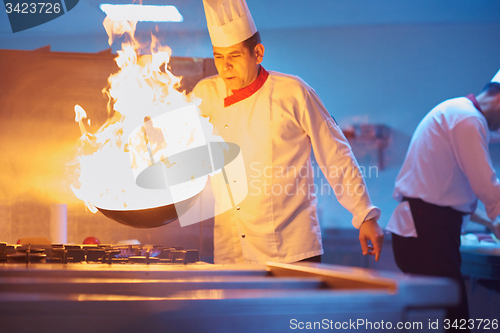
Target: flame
141,90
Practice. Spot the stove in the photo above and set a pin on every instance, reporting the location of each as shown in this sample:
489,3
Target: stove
89,294
106,254
152,288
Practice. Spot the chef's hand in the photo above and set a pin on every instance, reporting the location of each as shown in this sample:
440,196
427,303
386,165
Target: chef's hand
370,230
479,216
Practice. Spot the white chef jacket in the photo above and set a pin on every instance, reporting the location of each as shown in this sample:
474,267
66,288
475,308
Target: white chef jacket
275,128
447,164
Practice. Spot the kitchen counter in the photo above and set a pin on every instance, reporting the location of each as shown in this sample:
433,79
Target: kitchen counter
481,261
212,298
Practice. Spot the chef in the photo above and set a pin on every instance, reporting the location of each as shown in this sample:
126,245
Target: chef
275,119
446,170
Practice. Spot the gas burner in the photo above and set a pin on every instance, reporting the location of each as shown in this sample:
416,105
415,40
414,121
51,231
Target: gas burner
21,254
26,257
108,254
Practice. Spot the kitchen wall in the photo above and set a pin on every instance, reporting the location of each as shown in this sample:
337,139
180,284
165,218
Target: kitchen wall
381,74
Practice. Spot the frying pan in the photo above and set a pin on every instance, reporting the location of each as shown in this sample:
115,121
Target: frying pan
150,217
187,165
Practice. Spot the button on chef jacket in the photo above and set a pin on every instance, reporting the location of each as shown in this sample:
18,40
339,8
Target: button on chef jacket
275,121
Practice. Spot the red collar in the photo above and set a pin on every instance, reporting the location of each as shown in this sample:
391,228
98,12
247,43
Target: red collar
241,94
474,101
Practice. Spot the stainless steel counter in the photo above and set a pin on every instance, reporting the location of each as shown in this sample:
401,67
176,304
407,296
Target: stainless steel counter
212,298
481,261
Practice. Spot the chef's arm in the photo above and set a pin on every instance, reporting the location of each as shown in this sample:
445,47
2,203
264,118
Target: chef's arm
470,147
479,216
332,150
370,230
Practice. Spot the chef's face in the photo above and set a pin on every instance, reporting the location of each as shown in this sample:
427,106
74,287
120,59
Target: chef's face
237,65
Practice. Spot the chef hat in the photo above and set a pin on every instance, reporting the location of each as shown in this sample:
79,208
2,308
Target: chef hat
496,78
229,22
